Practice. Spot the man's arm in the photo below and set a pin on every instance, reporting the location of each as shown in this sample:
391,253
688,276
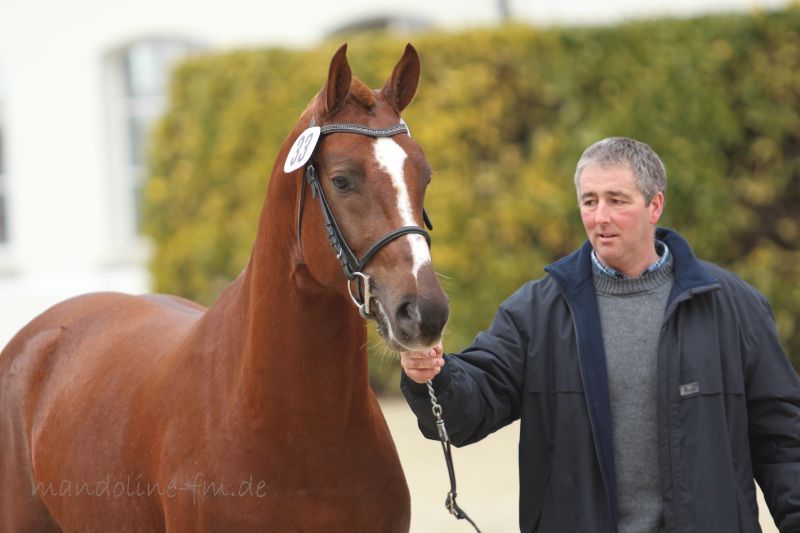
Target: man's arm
773,400
479,389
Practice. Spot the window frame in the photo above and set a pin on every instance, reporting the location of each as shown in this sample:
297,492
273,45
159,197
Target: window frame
126,152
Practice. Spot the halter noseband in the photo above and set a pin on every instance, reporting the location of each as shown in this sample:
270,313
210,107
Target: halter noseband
351,265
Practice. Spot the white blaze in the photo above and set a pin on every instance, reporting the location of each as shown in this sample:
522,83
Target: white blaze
391,157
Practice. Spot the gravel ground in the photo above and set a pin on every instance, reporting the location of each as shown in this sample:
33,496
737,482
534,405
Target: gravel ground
488,484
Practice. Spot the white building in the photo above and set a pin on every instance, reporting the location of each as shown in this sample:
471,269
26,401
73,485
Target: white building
81,81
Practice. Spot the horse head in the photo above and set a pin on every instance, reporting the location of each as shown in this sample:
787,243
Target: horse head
370,177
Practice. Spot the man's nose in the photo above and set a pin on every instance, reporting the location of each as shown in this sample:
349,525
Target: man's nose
602,213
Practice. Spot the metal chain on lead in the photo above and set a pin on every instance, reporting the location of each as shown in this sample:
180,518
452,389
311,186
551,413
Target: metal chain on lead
437,412
444,439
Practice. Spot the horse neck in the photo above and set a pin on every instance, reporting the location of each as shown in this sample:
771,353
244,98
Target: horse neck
297,343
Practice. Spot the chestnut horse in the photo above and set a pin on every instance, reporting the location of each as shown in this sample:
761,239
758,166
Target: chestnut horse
127,413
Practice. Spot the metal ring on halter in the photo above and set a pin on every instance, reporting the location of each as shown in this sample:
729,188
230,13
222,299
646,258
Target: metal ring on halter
363,307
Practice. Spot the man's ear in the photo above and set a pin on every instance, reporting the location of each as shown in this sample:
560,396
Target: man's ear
656,207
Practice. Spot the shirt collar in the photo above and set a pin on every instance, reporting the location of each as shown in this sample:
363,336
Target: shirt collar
661,249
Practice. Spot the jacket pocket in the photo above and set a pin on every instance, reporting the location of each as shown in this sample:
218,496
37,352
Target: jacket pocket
705,385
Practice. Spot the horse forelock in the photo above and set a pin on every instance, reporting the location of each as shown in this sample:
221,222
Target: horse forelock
361,94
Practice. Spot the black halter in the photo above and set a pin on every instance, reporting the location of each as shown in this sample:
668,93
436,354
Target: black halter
351,265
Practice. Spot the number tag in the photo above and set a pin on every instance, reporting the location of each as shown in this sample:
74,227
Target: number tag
302,149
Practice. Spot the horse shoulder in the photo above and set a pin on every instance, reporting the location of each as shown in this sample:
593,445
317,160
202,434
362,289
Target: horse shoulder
78,349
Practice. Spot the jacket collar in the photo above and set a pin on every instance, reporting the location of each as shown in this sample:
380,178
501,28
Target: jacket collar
690,276
575,270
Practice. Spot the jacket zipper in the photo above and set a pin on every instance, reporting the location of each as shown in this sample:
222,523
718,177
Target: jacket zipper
668,407
682,297
591,420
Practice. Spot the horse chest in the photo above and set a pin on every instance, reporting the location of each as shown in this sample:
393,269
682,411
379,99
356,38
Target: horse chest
350,483
312,509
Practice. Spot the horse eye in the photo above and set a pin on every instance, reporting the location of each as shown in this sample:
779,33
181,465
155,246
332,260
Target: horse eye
341,183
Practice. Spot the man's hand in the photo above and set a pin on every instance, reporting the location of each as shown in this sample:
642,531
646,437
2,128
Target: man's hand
422,366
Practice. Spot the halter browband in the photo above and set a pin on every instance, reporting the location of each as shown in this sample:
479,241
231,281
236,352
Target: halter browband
351,265
363,130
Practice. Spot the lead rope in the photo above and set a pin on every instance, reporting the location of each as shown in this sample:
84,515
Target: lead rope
444,439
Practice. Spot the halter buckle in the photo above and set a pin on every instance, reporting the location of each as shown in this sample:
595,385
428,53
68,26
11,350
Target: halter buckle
363,306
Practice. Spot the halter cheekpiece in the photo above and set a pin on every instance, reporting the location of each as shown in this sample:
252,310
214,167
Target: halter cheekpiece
352,266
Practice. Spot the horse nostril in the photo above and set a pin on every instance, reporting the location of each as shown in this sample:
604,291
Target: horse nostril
421,318
407,315
433,316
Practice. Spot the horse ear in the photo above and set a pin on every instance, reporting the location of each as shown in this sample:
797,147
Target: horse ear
338,84
401,86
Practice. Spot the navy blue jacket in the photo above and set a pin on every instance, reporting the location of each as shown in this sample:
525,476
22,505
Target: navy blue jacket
728,401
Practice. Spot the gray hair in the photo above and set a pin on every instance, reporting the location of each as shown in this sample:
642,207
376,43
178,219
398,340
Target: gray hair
648,169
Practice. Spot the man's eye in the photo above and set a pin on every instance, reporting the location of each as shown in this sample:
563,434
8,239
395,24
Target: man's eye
341,183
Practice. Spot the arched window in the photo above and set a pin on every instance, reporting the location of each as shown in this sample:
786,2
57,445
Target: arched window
138,76
387,23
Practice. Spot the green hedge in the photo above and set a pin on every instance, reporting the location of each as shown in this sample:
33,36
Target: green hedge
503,115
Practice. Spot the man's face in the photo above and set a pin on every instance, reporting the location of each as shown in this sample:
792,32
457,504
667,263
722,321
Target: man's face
619,225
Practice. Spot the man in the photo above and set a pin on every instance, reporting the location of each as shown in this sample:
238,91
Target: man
651,386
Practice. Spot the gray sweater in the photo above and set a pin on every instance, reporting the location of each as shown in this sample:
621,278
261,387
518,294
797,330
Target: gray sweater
631,314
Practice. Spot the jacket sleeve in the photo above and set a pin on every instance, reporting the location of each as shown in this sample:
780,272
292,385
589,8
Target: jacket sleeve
773,403
479,388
